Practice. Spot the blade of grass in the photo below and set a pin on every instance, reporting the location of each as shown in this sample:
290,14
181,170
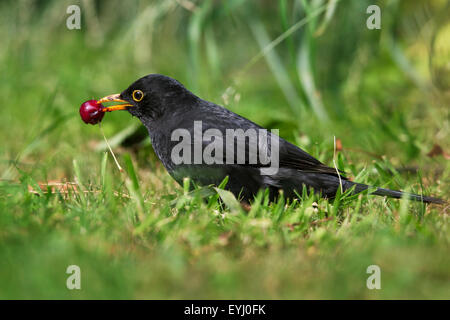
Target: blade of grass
132,183
276,66
282,37
230,200
79,181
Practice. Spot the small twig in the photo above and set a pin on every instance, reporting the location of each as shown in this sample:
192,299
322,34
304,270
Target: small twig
109,147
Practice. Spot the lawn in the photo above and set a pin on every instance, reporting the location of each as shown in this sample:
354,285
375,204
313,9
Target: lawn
372,102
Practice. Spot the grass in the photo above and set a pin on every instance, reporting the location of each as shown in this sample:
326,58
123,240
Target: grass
137,234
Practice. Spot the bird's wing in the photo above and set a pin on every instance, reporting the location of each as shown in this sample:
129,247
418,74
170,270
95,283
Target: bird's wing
293,157
218,118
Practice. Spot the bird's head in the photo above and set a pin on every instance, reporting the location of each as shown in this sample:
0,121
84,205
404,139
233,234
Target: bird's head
151,97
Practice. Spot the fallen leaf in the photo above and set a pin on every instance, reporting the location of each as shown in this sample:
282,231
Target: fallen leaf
438,151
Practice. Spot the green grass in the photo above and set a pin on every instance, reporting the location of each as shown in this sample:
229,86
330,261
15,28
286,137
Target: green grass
137,234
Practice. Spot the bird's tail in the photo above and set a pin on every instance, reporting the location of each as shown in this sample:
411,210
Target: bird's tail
359,187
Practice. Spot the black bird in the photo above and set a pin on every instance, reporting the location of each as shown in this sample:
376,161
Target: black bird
165,106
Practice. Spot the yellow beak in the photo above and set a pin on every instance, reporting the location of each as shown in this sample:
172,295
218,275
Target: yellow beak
114,98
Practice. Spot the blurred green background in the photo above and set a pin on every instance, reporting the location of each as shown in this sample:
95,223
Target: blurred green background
383,94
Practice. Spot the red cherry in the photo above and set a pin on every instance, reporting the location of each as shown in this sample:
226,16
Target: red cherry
91,112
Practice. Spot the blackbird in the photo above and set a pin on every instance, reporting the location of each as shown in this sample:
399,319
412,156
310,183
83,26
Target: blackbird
184,126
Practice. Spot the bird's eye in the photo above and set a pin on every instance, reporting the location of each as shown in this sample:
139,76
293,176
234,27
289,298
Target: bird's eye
138,95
